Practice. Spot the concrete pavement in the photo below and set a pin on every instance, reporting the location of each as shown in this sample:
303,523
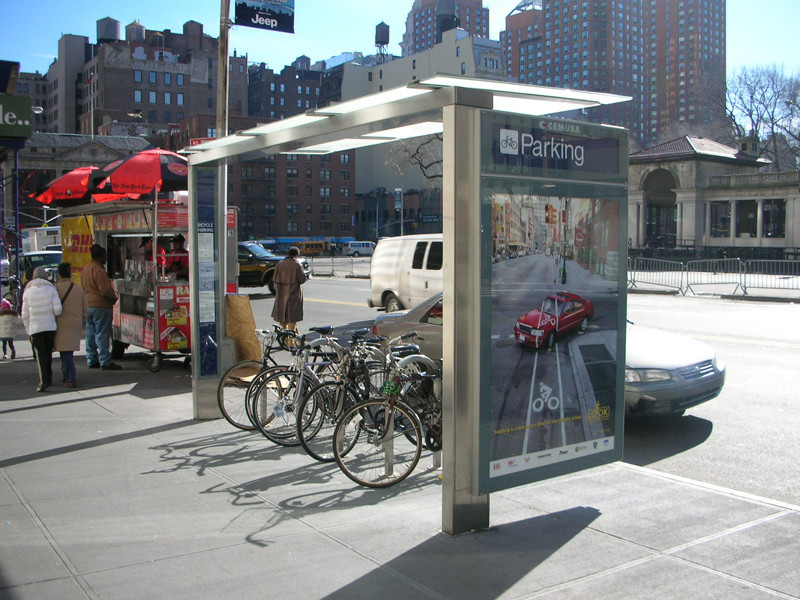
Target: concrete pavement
112,491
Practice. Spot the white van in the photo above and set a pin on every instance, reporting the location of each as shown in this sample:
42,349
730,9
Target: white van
405,270
359,248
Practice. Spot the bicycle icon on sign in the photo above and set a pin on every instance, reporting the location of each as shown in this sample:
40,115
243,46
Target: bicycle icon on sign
508,142
545,398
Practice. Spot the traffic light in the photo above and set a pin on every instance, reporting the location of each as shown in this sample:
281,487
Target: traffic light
550,214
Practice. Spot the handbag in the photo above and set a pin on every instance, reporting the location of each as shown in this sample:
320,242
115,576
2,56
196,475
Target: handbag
69,289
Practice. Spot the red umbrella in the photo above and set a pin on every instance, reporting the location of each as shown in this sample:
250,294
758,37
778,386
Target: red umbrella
72,189
144,172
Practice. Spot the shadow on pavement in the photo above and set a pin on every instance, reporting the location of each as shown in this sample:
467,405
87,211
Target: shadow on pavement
648,440
487,563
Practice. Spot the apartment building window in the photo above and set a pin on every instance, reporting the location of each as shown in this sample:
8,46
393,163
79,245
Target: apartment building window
137,96
270,209
291,190
309,190
344,192
152,77
291,226
309,208
152,97
292,209
344,158
179,100
167,78
247,171
309,227
137,76
324,192
167,98
344,226
345,175
291,173
324,209
180,78
269,172
345,209
167,116
325,174
326,225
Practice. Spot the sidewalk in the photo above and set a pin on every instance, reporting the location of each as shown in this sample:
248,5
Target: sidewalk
113,491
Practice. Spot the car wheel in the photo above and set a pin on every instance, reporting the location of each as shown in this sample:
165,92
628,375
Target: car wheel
550,341
269,283
584,325
356,254
392,303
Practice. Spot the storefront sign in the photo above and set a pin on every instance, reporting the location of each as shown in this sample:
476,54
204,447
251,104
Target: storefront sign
16,116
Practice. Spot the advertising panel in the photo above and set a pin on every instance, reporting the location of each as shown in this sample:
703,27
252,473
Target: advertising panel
277,15
553,287
16,116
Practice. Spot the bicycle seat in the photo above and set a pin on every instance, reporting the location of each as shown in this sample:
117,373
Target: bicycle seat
326,330
403,351
360,333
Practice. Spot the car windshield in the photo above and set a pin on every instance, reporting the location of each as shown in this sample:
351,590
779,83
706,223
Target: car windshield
552,307
44,260
258,250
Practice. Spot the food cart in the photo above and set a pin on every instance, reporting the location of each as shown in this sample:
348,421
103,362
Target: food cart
153,307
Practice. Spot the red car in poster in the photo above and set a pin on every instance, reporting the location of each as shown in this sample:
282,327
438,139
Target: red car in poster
559,313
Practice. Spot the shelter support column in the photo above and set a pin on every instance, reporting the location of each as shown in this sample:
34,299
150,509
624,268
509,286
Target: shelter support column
463,509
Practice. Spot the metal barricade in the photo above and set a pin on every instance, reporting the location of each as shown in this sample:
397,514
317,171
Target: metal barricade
323,266
718,272
771,275
656,272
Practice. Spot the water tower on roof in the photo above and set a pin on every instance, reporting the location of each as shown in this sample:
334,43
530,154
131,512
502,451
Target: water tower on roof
108,30
381,41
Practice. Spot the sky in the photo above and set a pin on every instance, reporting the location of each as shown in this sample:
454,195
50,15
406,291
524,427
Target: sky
758,34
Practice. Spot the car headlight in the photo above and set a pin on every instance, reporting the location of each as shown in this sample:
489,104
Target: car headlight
646,375
718,363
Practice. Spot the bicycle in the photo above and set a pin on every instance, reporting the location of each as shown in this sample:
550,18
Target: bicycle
232,388
359,374
377,443
272,396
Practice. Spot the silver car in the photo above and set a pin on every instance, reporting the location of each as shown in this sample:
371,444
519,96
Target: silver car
665,373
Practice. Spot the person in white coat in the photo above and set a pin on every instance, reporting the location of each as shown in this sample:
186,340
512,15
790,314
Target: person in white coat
40,307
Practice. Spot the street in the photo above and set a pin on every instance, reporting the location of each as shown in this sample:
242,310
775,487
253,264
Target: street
746,439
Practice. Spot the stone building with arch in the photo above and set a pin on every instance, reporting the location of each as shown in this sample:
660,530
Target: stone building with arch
698,195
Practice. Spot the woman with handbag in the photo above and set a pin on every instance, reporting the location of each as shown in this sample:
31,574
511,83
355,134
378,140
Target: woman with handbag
75,309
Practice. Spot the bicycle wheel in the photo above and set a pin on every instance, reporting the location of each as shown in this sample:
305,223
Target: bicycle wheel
317,414
272,406
255,384
232,391
373,443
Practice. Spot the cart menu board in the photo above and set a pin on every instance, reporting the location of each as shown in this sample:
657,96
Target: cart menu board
173,317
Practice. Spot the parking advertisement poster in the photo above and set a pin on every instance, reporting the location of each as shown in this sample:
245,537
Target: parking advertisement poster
553,196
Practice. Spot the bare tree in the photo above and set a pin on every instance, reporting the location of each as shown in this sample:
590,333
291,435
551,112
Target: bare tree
424,153
763,101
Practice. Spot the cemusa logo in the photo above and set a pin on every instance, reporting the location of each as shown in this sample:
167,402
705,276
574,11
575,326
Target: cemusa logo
524,144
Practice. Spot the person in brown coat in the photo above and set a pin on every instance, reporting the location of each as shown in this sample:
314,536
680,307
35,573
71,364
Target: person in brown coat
102,297
75,309
288,277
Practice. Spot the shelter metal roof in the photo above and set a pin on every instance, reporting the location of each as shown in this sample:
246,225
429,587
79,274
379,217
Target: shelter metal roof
399,113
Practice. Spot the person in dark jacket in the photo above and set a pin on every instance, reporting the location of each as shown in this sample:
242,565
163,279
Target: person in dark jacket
288,277
40,307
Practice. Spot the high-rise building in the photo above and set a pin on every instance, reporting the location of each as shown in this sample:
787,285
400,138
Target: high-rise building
668,55
292,91
428,19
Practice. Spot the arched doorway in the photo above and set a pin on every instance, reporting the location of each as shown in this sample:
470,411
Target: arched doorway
660,209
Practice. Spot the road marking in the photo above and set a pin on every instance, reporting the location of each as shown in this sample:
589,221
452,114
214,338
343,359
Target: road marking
530,405
341,302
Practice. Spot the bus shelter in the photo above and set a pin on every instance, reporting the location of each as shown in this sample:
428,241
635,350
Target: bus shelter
517,186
